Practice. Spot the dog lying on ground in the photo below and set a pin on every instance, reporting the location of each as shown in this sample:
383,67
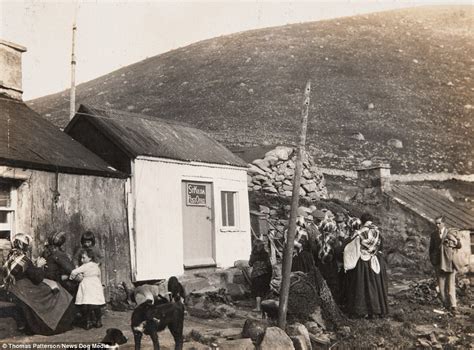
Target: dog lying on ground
170,290
149,319
112,340
269,309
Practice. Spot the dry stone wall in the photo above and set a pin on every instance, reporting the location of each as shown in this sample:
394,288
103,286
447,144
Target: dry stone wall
275,172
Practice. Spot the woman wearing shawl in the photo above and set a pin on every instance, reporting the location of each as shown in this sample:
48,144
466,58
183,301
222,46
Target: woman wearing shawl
327,244
42,309
302,255
366,283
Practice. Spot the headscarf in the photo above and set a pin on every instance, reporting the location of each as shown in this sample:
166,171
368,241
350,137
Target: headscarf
57,239
326,240
16,258
369,240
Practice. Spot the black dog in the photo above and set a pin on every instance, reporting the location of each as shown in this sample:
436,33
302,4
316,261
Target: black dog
176,289
269,309
148,318
113,338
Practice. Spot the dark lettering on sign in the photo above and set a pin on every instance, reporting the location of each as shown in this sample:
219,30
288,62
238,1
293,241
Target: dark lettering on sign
196,195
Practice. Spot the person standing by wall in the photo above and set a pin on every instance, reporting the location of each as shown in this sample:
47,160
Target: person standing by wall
443,244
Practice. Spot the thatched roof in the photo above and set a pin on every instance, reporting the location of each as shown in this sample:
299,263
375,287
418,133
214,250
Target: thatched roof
140,135
29,141
430,204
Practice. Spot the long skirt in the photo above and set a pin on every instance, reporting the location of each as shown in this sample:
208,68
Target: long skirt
366,291
44,311
261,285
330,273
303,261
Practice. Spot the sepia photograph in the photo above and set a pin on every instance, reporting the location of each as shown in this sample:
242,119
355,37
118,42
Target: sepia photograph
236,174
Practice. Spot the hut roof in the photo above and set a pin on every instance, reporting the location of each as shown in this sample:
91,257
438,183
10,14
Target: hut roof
140,135
29,141
430,204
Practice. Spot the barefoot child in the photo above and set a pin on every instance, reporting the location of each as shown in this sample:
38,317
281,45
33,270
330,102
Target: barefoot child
90,296
261,272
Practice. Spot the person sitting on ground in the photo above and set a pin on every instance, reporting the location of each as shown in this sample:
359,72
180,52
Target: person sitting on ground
40,309
90,295
58,264
443,244
261,274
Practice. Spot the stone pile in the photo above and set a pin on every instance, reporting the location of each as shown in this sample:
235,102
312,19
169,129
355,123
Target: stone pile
275,172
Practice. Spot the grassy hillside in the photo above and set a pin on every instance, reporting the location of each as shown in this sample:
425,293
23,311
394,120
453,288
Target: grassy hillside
414,66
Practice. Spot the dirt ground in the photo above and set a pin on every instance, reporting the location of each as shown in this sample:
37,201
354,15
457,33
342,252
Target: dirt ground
412,323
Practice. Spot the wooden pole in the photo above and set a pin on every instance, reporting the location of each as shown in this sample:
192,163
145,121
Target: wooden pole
288,251
72,106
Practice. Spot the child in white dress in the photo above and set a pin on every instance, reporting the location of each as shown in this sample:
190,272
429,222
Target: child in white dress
90,295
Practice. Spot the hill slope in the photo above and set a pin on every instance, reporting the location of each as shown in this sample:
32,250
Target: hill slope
415,66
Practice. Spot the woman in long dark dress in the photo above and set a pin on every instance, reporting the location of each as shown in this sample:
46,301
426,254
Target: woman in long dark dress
366,288
302,254
326,245
261,272
58,264
41,309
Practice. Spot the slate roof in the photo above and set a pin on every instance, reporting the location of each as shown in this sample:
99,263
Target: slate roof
140,135
430,204
31,142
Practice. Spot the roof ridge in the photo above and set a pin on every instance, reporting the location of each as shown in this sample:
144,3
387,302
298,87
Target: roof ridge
134,115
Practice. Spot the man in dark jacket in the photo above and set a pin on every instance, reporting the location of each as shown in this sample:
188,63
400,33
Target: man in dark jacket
442,247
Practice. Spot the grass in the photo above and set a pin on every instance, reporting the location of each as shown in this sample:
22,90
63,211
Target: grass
414,65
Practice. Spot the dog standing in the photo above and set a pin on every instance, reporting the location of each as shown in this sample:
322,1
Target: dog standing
149,319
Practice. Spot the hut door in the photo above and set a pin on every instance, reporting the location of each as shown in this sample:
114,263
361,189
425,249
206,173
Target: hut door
198,223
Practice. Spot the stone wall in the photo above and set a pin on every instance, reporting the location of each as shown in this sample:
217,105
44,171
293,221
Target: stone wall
275,172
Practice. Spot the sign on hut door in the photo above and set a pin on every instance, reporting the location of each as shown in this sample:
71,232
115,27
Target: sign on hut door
198,219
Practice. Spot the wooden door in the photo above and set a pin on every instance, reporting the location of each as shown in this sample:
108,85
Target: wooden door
198,224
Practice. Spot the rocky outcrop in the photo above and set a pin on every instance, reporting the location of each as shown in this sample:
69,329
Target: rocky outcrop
275,172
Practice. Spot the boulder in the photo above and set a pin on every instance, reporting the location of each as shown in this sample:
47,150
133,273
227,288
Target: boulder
224,310
254,329
264,209
237,344
395,143
298,329
253,169
299,342
270,189
280,152
276,339
310,187
358,136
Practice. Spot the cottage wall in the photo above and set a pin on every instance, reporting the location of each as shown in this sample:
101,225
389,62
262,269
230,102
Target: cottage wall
48,202
158,214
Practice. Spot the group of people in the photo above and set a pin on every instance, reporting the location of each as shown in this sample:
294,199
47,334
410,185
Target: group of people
53,292
348,253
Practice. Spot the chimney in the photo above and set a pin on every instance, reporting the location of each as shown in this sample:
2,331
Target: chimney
10,69
373,182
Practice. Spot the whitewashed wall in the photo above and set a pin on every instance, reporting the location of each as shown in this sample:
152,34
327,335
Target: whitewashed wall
158,226
81,203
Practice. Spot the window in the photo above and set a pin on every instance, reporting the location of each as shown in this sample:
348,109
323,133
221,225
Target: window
228,200
6,212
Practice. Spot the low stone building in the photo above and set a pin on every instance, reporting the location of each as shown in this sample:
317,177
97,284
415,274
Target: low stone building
49,182
412,208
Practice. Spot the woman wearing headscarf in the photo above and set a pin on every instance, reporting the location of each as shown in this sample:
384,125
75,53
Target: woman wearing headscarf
302,255
58,265
41,308
327,244
366,288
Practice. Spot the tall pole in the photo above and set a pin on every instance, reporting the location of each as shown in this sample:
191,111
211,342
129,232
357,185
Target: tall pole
72,107
288,251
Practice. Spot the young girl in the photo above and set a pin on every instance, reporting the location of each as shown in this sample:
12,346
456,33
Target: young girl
87,241
261,272
90,296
